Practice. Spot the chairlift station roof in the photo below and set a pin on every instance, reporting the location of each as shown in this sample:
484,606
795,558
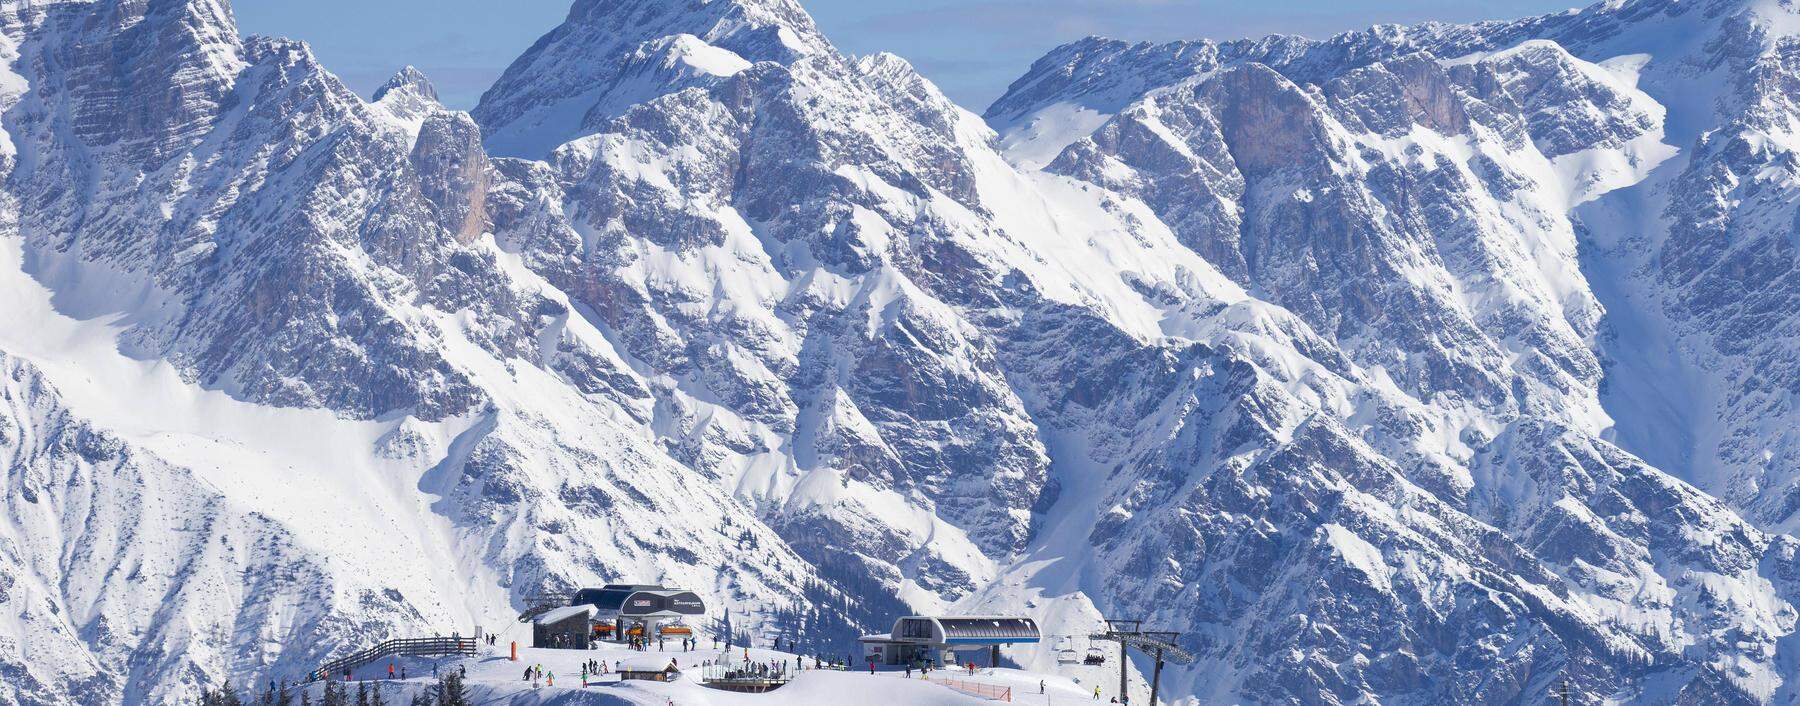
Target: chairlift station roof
622,600
953,630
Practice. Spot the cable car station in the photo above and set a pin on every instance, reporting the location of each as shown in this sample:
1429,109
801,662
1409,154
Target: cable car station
936,639
617,613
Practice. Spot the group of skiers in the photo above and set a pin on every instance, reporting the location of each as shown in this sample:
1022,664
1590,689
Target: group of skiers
595,668
758,670
642,644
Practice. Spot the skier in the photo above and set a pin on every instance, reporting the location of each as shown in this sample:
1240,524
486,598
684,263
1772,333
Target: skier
527,674
390,670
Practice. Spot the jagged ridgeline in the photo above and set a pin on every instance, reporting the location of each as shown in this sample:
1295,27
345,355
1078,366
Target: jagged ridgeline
1420,365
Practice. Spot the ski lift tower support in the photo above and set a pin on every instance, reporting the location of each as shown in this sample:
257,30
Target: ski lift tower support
1160,644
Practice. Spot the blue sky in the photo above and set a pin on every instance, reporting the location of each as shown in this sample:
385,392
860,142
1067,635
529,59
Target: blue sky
971,48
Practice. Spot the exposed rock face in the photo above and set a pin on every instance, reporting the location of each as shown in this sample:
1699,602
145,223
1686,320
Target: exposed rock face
1380,365
1497,183
610,55
287,246
87,510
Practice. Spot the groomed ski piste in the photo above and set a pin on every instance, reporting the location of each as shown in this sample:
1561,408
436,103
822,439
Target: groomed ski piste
494,678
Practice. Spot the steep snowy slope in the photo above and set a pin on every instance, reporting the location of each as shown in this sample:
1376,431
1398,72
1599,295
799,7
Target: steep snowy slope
1687,245
721,218
112,561
1490,184
609,55
281,243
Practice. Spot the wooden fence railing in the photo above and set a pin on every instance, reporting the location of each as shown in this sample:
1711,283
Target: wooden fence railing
405,647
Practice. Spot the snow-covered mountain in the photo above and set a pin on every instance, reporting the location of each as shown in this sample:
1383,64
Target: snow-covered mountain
1425,365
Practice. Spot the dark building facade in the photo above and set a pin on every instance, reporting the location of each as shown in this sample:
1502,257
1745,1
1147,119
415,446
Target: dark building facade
564,628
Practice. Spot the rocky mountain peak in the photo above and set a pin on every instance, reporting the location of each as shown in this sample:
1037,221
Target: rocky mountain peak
758,30
409,79
612,54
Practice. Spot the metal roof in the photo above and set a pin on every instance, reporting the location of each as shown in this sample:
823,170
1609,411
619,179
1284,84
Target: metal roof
963,630
631,600
985,629
564,613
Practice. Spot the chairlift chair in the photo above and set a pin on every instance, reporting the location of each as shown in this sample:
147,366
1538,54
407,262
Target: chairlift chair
1095,656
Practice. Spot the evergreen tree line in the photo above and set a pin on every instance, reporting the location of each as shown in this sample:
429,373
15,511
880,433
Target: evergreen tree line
449,691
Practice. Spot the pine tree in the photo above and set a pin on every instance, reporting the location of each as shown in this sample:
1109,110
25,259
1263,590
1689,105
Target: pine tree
283,697
335,694
375,696
228,696
450,691
362,693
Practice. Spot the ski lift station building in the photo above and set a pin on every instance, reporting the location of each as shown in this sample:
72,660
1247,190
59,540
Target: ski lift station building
619,610
937,639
